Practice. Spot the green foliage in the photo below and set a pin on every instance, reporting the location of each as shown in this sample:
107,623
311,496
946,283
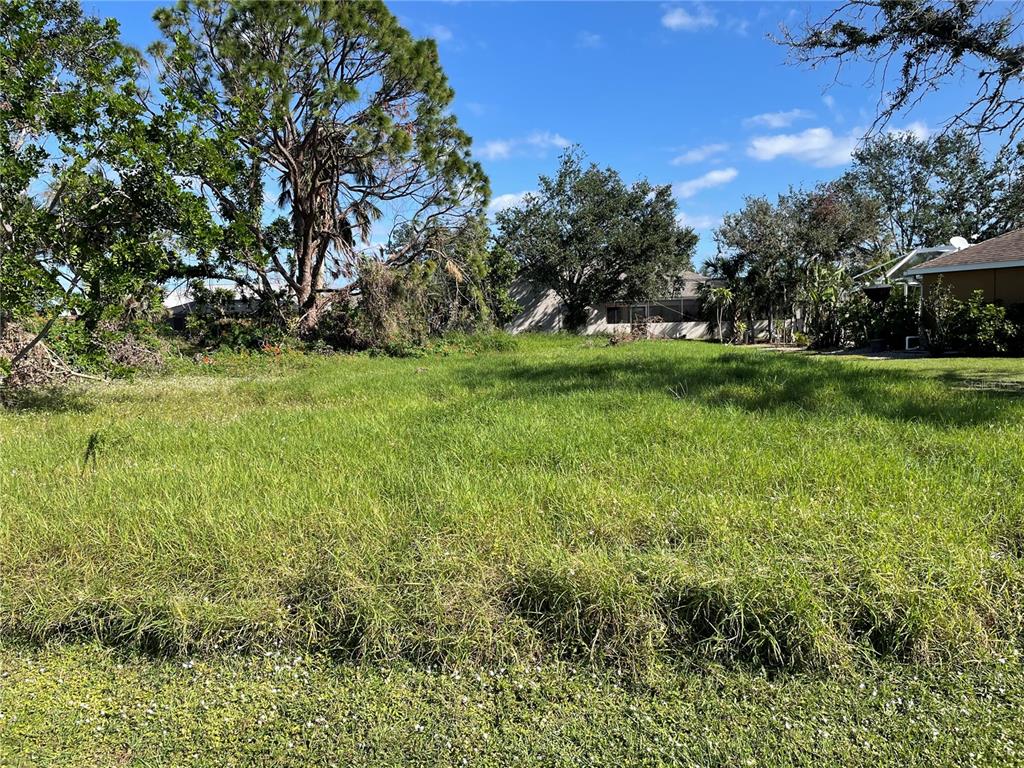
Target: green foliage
929,190
218,319
87,201
591,239
972,326
339,105
719,298
502,270
824,293
982,326
797,252
448,268
862,320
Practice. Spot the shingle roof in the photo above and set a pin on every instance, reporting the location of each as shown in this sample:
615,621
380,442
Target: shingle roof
1003,251
685,285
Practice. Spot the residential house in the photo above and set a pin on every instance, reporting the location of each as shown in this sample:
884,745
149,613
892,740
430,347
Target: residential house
673,312
995,267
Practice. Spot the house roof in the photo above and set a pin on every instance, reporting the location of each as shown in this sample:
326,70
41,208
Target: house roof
181,295
998,253
684,285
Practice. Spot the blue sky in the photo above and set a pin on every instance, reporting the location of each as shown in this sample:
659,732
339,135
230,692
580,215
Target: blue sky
688,94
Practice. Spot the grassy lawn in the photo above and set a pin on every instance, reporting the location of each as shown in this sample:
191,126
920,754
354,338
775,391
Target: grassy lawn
739,546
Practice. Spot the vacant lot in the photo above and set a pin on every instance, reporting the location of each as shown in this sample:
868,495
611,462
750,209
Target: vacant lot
632,511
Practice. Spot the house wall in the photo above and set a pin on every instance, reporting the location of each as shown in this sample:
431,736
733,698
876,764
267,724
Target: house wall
1010,285
1003,285
597,322
542,311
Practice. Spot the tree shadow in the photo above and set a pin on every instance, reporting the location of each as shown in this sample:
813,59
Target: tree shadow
759,382
55,399
987,381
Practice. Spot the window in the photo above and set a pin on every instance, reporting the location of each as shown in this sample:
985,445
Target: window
669,310
663,310
691,309
617,315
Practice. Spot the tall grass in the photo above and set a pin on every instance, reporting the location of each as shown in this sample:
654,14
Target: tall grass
560,499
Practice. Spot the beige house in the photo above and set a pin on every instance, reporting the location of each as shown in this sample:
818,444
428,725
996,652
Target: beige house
674,313
994,267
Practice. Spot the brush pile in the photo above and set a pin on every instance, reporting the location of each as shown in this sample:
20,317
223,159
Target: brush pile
39,368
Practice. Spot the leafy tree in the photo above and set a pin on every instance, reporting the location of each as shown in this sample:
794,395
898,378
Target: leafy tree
895,169
590,238
797,252
917,46
449,264
85,201
835,234
502,270
928,191
976,198
757,258
337,104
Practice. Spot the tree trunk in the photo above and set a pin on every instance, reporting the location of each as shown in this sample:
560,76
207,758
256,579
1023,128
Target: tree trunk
310,248
574,317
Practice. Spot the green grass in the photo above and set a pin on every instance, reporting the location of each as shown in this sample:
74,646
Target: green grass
79,706
615,511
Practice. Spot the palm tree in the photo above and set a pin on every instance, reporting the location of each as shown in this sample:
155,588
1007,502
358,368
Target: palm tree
719,297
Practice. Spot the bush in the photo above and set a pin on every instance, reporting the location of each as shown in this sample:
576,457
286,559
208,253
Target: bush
982,328
115,346
1015,316
974,326
404,310
215,321
863,320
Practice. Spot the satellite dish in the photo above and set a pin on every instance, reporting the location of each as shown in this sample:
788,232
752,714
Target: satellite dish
958,242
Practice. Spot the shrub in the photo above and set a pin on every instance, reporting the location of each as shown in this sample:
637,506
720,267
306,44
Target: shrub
216,322
116,345
973,326
403,310
982,327
863,320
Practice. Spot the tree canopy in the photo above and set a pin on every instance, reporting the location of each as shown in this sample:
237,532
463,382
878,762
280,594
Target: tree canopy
799,251
87,205
930,190
591,238
339,106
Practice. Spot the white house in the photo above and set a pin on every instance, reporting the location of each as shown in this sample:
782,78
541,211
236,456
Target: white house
673,313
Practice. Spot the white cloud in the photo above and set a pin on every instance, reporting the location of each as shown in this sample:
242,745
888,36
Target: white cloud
737,25
681,19
778,119
818,146
699,221
830,103
589,40
710,179
508,200
917,129
536,143
440,32
496,149
699,154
